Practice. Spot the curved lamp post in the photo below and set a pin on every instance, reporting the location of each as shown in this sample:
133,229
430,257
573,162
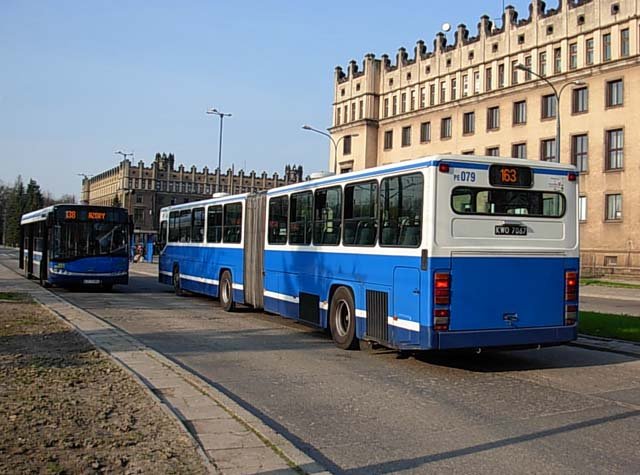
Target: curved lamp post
557,94
334,142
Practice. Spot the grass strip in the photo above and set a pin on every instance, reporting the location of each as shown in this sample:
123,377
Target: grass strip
621,327
608,283
14,297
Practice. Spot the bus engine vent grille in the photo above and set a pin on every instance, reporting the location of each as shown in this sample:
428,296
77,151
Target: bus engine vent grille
377,312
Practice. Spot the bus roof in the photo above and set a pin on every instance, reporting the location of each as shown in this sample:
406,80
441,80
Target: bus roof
208,201
419,163
41,214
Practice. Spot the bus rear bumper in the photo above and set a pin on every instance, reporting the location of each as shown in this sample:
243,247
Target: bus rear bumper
513,337
89,279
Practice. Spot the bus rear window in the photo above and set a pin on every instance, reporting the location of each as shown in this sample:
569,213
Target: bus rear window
500,202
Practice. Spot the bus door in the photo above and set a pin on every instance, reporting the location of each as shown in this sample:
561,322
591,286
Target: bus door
406,305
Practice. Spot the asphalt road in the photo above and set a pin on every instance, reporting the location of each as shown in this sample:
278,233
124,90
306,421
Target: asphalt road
563,409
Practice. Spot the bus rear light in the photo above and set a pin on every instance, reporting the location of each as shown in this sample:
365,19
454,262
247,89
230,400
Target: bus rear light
443,167
442,288
440,319
571,286
570,314
572,177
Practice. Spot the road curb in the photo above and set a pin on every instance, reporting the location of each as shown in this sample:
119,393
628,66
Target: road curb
296,459
610,345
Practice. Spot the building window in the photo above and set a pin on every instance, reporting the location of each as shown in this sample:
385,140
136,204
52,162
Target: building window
610,261
476,82
406,136
548,150
403,106
423,98
353,112
606,47
346,113
519,150
394,109
501,75
412,104
542,64
468,152
580,152
465,85
388,140
386,109
488,79
527,63
493,118
361,110
443,91
614,207
580,100
492,152
346,145
624,43
432,94
614,149
520,39
445,128
557,60
514,73
615,93
519,112
454,89
138,198
468,123
425,132
548,106
573,55
582,208
589,51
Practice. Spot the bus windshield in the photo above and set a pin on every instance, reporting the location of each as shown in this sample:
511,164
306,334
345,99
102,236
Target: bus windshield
87,239
501,202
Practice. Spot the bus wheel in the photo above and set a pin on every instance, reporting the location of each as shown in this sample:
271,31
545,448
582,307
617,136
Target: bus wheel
342,319
226,292
177,288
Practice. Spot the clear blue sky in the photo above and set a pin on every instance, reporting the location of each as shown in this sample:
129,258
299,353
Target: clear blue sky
82,79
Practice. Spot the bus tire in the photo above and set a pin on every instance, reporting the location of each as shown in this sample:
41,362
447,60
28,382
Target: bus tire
342,319
175,278
226,292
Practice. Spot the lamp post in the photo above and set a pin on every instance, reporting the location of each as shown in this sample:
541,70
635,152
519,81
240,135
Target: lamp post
557,93
334,142
222,115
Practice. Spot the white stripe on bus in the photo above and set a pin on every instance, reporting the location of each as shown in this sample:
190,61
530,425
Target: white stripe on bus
405,324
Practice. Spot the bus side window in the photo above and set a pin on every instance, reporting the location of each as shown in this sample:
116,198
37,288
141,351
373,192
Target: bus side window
197,225
401,210
185,225
232,229
360,214
327,216
278,213
214,224
300,218
174,230
162,236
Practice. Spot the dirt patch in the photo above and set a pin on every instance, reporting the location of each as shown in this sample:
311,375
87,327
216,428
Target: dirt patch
65,408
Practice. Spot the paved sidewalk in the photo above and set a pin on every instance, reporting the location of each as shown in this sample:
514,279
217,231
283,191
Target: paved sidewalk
234,441
602,291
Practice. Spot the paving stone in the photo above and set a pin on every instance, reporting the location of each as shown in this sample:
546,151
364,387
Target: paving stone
250,460
239,439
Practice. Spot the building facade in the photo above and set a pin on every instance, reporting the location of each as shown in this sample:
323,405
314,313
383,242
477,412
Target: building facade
144,190
471,97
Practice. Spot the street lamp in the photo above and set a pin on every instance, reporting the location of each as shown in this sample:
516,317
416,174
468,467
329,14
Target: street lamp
557,94
222,115
124,154
334,142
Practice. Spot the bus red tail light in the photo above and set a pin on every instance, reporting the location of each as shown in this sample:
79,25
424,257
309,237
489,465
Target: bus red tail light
570,314
443,167
571,286
572,177
442,288
440,320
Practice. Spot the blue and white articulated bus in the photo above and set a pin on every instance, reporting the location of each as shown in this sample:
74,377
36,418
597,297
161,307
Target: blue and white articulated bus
442,252
71,244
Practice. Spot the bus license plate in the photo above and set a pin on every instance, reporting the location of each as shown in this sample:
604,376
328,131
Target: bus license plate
91,281
511,230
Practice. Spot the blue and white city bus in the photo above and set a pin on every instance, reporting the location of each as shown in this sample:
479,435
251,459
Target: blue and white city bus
442,252
71,244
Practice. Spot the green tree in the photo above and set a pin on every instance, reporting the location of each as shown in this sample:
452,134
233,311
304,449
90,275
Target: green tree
15,209
33,197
